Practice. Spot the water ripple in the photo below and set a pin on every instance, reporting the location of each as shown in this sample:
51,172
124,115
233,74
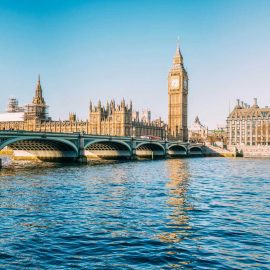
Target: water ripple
207,213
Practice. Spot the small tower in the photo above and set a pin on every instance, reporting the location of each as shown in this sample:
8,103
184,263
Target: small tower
38,98
90,106
72,117
37,110
99,104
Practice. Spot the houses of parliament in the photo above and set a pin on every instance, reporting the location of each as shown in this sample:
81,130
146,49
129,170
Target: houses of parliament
111,119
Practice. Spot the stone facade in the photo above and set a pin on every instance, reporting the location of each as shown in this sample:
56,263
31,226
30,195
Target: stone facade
114,120
258,151
249,125
178,99
119,120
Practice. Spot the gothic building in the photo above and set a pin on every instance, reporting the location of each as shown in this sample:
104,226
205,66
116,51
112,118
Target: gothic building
112,119
178,99
37,110
117,120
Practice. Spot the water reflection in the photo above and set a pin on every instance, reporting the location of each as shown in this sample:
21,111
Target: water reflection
177,226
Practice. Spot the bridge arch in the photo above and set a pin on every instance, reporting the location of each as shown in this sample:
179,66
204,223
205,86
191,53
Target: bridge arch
195,151
150,150
108,149
38,148
176,150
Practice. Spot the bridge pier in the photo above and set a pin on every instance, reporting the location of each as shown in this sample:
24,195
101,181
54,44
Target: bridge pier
133,155
78,147
82,159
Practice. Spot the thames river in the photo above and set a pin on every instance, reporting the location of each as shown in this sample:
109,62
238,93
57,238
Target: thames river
200,213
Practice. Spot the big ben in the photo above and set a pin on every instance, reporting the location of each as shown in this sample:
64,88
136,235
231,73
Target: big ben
178,99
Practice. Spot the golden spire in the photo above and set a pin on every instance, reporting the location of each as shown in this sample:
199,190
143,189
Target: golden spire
178,58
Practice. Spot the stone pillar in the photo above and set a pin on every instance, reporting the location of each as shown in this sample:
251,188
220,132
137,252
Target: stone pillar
230,136
250,134
166,147
82,159
245,131
235,131
262,133
133,149
256,133
240,138
267,132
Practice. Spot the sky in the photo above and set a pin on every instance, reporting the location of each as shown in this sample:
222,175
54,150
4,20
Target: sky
97,49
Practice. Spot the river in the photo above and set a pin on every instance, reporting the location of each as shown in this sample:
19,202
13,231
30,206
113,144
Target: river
199,213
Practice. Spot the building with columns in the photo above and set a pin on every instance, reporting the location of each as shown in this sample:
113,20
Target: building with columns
178,99
248,125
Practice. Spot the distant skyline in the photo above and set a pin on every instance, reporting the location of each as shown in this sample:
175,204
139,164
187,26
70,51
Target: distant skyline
91,50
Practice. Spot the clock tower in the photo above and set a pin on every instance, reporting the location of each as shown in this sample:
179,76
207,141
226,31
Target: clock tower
178,99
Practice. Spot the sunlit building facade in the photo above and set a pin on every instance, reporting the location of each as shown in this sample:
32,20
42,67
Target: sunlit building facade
249,125
112,119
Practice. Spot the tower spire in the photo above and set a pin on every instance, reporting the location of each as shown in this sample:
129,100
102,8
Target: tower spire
178,58
38,98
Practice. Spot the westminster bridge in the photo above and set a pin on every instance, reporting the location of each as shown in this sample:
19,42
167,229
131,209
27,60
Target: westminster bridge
49,146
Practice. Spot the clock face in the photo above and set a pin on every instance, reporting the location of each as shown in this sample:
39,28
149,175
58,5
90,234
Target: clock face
174,83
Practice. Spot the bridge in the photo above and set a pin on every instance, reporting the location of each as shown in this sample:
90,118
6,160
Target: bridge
80,147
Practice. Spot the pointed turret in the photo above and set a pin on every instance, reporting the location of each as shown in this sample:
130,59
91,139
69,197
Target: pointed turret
197,120
90,106
38,98
123,103
99,104
178,58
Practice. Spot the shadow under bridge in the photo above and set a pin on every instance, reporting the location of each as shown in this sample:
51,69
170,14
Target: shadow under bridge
176,150
41,149
150,150
195,151
107,150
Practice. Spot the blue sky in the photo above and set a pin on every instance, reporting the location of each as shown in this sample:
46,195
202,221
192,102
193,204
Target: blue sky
112,49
